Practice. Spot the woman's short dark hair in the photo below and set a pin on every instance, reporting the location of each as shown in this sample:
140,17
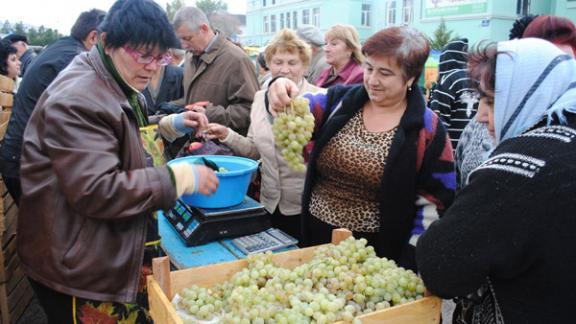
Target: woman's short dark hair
87,22
482,68
407,45
138,23
6,49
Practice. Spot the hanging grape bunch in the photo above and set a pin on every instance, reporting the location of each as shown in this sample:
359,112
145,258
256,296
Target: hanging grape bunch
292,131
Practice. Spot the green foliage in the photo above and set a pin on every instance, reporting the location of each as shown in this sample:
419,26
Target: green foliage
41,36
210,6
172,8
441,36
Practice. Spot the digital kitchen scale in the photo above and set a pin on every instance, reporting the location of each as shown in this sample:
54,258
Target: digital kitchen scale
197,226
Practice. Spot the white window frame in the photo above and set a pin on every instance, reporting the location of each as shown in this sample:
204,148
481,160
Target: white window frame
316,17
407,11
365,20
266,25
305,16
288,20
272,23
391,12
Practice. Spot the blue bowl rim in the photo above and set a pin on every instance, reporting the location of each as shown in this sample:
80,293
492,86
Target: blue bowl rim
234,173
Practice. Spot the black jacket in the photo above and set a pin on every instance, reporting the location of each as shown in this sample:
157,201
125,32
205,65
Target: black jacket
170,88
39,75
513,222
26,60
453,98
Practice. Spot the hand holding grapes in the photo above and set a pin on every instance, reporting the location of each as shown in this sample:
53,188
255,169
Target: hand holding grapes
280,93
292,128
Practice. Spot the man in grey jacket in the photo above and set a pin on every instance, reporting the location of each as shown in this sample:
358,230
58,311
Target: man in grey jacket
313,36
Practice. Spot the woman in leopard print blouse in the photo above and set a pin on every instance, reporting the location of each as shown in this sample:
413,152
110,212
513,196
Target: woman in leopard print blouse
382,164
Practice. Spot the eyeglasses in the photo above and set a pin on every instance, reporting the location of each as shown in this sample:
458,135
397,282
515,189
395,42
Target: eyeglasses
163,59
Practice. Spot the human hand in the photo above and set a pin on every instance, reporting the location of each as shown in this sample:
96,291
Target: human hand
199,106
216,131
174,126
193,178
280,93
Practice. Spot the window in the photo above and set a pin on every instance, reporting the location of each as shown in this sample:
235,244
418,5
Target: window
523,7
366,9
263,3
281,21
295,19
273,2
288,20
306,16
391,12
316,17
273,23
407,12
266,27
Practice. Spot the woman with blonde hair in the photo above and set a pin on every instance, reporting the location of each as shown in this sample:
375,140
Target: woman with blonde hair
281,193
343,53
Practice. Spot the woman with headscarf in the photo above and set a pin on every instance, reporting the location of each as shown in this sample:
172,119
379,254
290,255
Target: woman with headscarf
504,246
475,143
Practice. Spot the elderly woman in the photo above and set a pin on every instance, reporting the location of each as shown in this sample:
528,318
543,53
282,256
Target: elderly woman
88,195
382,164
509,232
281,193
344,56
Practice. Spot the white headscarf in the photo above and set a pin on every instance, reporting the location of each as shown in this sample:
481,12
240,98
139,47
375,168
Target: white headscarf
534,79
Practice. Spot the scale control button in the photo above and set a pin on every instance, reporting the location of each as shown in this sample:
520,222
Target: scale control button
179,226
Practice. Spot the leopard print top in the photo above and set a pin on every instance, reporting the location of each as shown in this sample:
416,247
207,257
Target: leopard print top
350,170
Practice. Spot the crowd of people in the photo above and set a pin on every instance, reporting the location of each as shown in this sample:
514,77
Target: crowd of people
472,188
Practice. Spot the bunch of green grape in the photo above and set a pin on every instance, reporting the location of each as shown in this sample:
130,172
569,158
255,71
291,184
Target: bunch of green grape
340,283
292,131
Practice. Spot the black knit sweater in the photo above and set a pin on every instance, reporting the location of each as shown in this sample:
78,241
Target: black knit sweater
515,222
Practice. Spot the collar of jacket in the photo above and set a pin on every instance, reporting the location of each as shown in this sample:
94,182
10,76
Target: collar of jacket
210,56
354,97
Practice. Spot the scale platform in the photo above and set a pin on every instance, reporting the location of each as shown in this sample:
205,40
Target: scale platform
197,226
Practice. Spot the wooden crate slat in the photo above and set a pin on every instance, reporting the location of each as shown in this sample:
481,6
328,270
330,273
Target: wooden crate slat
160,306
19,299
4,308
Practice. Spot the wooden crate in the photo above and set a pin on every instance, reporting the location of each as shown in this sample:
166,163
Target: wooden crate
15,290
163,285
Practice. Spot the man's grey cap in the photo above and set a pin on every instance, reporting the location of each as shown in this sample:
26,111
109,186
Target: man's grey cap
311,34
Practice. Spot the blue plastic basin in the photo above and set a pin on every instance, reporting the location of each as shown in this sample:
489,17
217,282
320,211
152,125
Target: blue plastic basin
233,184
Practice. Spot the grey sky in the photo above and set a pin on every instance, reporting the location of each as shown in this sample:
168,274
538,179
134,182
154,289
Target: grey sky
61,14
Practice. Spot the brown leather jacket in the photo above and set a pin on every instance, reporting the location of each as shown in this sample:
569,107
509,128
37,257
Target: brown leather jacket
87,192
227,78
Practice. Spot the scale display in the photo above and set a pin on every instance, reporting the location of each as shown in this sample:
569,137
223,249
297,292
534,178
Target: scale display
197,226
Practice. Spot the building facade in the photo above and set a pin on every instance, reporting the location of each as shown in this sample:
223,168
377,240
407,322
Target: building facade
475,19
